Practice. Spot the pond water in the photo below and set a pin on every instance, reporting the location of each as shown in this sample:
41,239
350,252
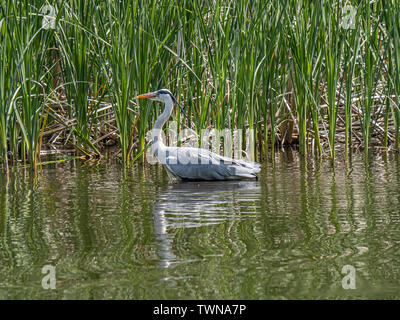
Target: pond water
114,233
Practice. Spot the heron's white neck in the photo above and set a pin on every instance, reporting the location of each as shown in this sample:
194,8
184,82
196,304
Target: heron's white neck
157,129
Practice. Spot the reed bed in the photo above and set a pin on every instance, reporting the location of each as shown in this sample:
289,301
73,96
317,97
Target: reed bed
321,75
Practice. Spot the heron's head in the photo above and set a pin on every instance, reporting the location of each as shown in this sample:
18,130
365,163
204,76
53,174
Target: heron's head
161,95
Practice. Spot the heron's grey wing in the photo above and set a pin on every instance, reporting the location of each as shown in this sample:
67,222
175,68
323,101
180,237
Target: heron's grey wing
193,164
201,164
250,165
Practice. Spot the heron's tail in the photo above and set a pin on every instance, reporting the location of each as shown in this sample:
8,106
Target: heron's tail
246,169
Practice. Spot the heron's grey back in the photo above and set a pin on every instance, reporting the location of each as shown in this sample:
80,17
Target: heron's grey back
201,164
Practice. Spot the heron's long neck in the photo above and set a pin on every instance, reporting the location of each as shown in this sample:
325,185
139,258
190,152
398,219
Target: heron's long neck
156,135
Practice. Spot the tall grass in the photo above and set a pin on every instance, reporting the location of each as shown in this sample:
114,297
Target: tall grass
391,12
332,55
350,57
306,57
75,45
24,80
284,71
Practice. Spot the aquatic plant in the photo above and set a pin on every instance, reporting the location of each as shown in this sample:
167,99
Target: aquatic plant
323,75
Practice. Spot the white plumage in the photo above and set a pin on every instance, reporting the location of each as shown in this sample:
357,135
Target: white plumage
189,163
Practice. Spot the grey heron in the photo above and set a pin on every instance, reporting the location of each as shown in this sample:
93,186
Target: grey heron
194,164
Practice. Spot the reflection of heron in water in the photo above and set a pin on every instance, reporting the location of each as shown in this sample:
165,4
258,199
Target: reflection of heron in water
195,204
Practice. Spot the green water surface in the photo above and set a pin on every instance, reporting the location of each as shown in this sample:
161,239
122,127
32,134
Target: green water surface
114,233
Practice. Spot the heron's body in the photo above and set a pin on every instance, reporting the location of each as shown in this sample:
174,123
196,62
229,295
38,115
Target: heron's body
200,164
187,163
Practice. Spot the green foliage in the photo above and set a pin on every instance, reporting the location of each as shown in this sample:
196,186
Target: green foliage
228,62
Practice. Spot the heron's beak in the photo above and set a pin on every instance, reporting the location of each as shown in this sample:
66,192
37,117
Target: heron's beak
146,95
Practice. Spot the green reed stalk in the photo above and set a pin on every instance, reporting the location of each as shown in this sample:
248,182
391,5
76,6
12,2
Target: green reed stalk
273,79
306,67
351,51
76,44
23,110
332,53
6,86
371,72
391,13
117,27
